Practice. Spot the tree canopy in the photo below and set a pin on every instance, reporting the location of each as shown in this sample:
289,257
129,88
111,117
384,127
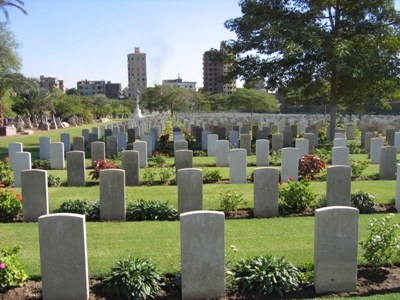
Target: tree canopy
19,4
253,101
343,50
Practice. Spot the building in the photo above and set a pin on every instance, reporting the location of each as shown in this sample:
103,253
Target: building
50,83
189,85
90,88
213,72
137,73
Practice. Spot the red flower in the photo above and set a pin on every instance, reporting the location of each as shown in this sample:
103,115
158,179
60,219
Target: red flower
19,197
309,177
156,154
11,191
1,184
280,182
290,178
6,158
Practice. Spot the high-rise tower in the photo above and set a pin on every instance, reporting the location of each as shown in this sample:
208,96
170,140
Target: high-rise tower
137,74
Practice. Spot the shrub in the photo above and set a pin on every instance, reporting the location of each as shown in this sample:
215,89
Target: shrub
200,153
231,201
5,172
358,167
12,273
382,245
166,174
10,205
266,274
73,206
355,147
150,175
43,164
133,278
365,202
159,159
324,154
310,165
102,164
53,180
211,176
93,212
275,158
142,210
296,195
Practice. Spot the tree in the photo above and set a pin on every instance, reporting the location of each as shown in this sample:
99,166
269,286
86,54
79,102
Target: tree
308,47
72,91
19,5
31,100
253,100
218,102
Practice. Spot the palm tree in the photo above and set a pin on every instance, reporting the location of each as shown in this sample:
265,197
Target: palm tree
9,80
19,5
31,100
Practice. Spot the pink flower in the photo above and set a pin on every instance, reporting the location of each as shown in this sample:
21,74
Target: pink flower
1,184
2,266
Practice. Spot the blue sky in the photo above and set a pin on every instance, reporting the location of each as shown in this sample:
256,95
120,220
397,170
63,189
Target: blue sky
90,39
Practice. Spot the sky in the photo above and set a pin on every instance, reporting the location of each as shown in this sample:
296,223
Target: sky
90,39
76,40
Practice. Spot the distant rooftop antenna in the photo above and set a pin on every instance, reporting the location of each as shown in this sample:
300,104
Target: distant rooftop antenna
179,75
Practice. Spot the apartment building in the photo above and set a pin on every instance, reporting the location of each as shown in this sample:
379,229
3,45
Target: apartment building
137,72
50,83
213,72
189,85
93,87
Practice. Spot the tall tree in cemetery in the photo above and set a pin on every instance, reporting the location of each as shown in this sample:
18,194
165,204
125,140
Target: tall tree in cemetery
344,50
12,3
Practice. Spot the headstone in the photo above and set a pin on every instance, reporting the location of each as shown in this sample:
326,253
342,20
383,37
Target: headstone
183,159
287,137
234,139
112,195
397,141
368,137
66,139
63,256
204,140
222,153
311,139
202,254
130,164
397,202
22,162
387,163
190,190
131,135
34,191
98,151
376,144
85,134
277,141
290,164
221,133
350,132
303,145
121,136
266,192
262,153
111,146
57,161
211,140
78,143
142,148
335,249
245,143
93,137
238,166
12,149
76,168
44,147
340,156
390,136
339,142
338,186
148,140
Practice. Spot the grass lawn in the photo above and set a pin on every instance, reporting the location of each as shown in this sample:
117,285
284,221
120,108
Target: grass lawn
291,237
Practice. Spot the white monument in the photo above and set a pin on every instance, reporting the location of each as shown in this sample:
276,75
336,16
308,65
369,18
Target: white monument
137,113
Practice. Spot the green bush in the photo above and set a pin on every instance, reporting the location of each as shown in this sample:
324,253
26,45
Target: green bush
6,178
93,212
364,202
275,158
150,175
10,205
53,180
210,176
78,206
325,154
12,273
231,201
133,278
166,174
43,164
382,245
355,147
142,210
296,195
358,167
266,274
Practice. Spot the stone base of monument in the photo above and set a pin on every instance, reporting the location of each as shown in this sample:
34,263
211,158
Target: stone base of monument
137,114
8,130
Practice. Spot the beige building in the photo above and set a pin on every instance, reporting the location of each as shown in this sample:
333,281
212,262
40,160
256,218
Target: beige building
50,83
137,73
212,73
189,85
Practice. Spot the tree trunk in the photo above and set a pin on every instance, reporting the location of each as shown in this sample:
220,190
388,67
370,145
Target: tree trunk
333,103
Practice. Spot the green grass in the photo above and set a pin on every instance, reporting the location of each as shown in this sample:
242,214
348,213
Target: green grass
159,241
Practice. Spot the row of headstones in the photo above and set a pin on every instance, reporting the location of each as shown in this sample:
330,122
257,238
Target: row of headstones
64,264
